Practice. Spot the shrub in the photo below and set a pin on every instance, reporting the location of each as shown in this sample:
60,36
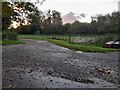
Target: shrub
9,35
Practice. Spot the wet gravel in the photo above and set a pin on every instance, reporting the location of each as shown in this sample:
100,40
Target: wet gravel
40,64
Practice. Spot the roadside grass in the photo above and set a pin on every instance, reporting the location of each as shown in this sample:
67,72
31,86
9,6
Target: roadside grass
9,42
74,46
0,42
82,47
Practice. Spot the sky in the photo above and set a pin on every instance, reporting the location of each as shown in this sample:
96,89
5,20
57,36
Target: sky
82,10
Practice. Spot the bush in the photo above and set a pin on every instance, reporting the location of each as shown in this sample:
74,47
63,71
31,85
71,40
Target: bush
9,35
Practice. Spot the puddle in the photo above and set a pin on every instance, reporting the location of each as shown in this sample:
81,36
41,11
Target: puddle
42,41
79,51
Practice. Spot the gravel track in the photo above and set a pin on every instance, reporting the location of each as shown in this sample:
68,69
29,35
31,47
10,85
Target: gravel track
40,64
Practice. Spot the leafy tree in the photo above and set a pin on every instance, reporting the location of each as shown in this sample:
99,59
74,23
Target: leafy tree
7,12
66,28
32,20
52,22
35,19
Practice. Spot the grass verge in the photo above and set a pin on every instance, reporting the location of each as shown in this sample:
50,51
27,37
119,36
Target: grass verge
82,47
9,42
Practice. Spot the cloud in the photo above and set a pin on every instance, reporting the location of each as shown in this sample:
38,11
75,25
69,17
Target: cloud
72,17
69,18
82,15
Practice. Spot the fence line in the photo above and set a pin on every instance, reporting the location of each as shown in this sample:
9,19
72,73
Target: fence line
70,38
56,37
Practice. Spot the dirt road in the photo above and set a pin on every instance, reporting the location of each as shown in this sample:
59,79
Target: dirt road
40,64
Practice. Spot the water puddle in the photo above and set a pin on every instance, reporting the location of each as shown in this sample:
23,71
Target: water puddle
79,51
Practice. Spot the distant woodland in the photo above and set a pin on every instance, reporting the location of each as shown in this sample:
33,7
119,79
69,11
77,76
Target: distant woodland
33,21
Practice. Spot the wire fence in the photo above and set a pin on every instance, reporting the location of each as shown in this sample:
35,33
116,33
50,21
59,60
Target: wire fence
69,38
56,37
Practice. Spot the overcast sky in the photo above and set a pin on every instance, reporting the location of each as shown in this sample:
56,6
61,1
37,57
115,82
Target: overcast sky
81,9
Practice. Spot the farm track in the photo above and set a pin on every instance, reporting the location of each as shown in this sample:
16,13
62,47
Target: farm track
40,64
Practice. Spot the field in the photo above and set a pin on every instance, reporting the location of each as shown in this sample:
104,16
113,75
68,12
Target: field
74,38
77,43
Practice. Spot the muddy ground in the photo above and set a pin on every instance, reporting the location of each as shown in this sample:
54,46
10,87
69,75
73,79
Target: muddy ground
40,64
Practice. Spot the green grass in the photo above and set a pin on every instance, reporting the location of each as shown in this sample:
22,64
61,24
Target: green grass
9,42
73,46
82,47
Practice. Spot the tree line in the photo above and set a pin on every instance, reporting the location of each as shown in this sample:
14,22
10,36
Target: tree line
33,21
